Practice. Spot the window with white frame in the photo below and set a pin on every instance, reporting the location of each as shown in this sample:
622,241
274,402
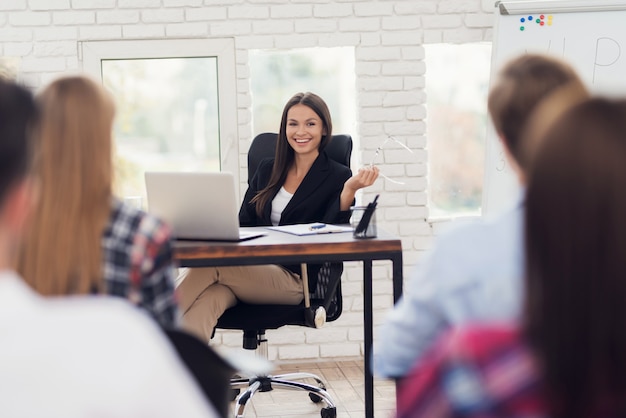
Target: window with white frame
457,84
175,105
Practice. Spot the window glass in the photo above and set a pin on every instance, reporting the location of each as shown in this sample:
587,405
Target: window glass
275,76
167,116
457,85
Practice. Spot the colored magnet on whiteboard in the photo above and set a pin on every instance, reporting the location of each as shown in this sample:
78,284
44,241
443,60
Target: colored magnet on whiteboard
541,23
549,17
521,28
541,17
522,20
530,18
538,21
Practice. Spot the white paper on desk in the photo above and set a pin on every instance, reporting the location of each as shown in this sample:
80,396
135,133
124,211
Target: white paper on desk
305,229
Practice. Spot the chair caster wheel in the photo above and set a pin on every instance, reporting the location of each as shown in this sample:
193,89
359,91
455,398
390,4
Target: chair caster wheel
315,398
328,412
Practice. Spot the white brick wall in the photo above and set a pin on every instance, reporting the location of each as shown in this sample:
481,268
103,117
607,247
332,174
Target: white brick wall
387,36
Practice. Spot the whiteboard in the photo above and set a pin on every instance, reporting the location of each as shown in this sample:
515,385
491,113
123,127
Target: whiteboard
590,35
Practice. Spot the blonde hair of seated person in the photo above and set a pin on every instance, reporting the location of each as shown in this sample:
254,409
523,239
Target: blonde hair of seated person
62,250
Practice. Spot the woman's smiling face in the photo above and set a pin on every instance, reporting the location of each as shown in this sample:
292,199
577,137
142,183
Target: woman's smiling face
304,130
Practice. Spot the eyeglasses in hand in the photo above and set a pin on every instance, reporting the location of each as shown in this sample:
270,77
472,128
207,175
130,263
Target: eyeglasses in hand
380,147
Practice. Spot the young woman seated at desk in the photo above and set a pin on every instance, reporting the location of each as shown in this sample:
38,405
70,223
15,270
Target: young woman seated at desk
300,185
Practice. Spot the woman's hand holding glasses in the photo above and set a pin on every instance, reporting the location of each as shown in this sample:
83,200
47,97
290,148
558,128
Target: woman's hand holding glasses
365,177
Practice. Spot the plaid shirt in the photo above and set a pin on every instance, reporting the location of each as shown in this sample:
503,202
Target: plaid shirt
138,262
477,372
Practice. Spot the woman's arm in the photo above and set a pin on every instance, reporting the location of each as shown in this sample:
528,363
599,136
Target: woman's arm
365,177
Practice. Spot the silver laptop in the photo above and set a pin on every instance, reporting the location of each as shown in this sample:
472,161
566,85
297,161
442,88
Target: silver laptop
199,205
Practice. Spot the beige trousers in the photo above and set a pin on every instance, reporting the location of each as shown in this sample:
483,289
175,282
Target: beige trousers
205,293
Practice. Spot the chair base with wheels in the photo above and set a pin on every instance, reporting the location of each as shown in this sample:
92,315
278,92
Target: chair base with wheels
324,304
296,381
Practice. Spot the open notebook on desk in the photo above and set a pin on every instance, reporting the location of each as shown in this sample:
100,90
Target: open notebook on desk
311,228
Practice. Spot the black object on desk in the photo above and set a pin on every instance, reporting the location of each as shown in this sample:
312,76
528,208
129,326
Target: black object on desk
359,231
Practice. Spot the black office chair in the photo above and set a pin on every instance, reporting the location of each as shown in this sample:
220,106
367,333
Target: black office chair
211,372
322,304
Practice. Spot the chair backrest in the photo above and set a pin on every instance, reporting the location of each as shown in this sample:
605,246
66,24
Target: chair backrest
325,287
263,146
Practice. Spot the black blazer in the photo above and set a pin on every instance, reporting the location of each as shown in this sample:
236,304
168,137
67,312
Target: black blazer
315,200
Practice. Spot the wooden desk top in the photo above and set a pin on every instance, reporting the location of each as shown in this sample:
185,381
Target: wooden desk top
283,247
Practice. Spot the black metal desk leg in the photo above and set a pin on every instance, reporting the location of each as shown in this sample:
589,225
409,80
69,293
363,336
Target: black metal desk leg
397,277
369,336
397,281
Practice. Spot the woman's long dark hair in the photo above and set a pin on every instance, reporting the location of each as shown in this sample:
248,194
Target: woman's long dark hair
284,153
575,308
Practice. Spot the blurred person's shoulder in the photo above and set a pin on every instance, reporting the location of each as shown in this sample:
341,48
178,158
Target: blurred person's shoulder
478,266
87,320
110,355
480,241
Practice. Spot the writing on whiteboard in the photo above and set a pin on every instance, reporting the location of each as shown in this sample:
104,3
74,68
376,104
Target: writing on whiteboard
607,53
